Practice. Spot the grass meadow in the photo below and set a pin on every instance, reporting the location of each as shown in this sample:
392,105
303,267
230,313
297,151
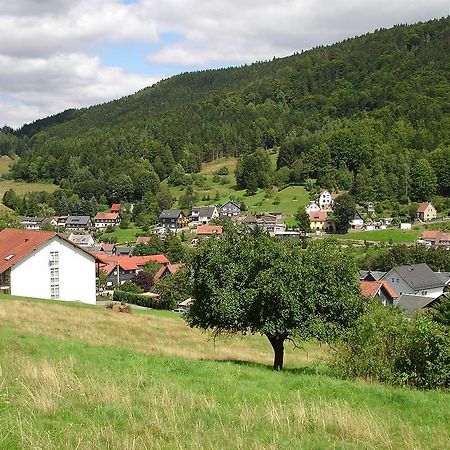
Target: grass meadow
394,235
286,201
75,376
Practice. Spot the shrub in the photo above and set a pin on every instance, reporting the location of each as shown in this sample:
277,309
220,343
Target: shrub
389,347
131,287
223,171
139,299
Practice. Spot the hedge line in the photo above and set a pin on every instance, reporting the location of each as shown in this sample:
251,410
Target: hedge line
139,299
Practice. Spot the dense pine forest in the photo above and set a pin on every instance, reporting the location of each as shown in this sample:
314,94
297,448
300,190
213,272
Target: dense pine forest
370,115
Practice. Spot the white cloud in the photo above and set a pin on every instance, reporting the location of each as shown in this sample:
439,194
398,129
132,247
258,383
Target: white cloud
47,47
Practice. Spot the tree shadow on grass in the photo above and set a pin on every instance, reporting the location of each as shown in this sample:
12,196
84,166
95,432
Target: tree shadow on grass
302,370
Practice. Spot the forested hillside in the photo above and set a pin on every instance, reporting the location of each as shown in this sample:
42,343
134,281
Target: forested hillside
370,115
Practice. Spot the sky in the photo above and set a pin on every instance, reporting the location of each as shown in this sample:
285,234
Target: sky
60,54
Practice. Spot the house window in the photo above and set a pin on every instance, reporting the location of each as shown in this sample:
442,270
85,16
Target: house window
54,291
54,275
54,259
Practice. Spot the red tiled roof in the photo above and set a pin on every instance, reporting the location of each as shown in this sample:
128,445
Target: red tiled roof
390,291
172,268
16,244
129,262
430,234
209,229
422,207
106,216
371,288
318,216
116,207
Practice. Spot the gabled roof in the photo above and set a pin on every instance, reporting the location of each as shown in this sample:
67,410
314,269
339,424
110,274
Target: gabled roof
444,277
170,214
430,234
358,216
129,262
17,244
107,216
250,219
318,216
423,207
409,302
79,221
80,238
169,269
372,288
204,211
209,229
418,276
371,275
116,207
232,202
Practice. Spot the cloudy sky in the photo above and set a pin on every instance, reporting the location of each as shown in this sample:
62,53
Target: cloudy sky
59,54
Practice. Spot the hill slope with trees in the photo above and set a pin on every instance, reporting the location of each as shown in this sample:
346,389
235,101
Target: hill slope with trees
369,115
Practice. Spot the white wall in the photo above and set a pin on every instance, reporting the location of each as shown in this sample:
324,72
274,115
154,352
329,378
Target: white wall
31,276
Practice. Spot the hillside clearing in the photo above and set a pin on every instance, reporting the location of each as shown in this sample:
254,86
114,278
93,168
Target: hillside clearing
98,379
21,188
5,164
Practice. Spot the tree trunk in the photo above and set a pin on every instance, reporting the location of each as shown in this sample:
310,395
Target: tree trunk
277,342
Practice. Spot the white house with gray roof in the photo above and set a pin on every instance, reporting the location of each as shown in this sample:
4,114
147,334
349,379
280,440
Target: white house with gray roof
415,279
204,214
230,209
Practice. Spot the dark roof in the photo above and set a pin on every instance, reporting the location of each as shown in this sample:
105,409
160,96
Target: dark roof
371,275
79,221
233,202
170,214
207,211
419,276
408,302
443,276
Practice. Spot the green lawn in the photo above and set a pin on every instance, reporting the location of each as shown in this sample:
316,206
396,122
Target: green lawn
99,379
128,235
5,164
396,235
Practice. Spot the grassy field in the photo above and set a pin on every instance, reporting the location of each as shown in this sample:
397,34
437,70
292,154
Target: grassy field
396,235
290,199
5,164
123,236
88,378
22,188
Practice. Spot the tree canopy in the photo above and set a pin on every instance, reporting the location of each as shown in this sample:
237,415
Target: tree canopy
249,282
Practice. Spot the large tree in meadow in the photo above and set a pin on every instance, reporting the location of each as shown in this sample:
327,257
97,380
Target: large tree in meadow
251,283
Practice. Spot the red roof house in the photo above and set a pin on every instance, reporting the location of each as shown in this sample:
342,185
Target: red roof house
116,207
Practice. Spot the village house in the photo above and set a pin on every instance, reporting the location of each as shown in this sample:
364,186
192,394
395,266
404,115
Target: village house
123,268
172,219
433,237
370,208
358,221
203,214
312,207
426,212
37,223
230,209
371,275
116,208
415,279
105,220
318,221
379,290
166,270
78,223
43,264
325,201
82,240
209,230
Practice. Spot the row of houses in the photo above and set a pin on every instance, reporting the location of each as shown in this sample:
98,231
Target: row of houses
409,287
174,219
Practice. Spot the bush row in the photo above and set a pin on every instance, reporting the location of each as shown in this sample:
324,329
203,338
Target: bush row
139,299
